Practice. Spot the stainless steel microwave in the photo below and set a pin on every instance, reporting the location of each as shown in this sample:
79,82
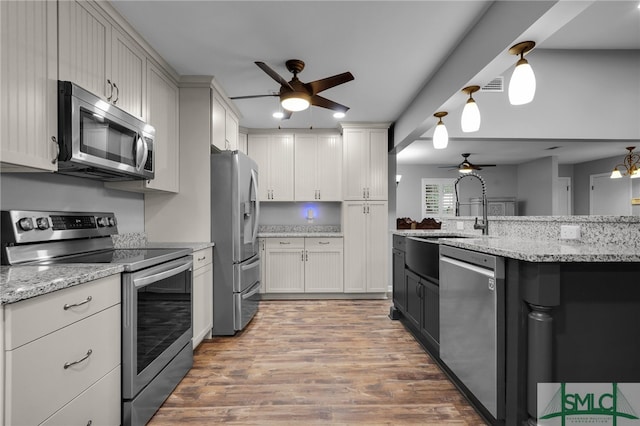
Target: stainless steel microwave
99,140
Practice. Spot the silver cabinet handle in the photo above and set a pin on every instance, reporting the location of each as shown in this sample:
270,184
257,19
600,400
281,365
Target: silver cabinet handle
54,160
117,94
284,242
90,422
202,258
69,364
306,255
324,242
111,91
73,305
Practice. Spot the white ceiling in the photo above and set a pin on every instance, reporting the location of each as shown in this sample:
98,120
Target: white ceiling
393,48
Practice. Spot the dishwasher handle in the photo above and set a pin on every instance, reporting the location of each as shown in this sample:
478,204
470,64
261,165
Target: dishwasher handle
489,273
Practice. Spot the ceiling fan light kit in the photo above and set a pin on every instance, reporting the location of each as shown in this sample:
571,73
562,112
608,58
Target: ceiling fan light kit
297,96
522,86
470,120
630,164
440,135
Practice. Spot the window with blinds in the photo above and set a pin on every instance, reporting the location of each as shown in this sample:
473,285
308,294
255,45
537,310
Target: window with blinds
438,198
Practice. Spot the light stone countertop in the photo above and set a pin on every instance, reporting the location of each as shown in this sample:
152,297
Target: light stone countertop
23,282
300,234
546,251
195,246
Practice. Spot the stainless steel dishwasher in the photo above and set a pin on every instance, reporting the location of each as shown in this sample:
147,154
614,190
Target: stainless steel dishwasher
471,325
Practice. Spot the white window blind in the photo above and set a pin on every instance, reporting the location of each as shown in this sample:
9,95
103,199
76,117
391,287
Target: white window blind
438,198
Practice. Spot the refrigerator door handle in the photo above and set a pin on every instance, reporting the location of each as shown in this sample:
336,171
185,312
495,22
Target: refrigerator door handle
254,184
250,265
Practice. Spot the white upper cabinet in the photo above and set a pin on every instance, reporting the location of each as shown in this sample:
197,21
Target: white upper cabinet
224,124
100,58
318,169
275,157
365,168
28,110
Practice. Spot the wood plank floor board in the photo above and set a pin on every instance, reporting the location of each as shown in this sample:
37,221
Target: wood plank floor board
338,362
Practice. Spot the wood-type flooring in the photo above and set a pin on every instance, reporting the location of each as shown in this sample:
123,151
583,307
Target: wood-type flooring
338,362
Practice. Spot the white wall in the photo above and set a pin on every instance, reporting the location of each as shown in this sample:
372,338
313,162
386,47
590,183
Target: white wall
500,181
536,187
51,191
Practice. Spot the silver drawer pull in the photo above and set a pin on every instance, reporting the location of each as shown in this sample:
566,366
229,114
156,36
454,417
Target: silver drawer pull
285,242
73,305
201,258
90,422
324,242
69,364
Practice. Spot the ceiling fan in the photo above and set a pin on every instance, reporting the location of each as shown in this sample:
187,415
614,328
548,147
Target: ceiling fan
466,166
298,96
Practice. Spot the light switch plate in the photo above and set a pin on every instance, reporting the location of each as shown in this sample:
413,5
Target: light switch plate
569,232
460,226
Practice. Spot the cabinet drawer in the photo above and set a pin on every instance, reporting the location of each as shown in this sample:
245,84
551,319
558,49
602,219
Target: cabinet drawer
202,258
30,319
317,243
37,384
285,243
98,405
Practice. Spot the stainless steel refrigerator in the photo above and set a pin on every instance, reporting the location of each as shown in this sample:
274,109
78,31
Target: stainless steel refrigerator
235,210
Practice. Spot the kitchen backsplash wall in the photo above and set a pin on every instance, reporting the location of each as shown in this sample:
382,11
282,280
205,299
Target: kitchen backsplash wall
323,213
50,191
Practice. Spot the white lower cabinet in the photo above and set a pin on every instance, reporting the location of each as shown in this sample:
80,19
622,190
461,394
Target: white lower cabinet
62,356
366,246
303,265
202,319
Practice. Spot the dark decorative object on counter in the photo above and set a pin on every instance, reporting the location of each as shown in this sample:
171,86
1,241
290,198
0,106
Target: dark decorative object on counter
405,223
428,223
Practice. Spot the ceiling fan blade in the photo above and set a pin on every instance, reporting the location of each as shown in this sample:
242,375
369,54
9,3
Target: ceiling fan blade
329,82
274,75
329,104
253,96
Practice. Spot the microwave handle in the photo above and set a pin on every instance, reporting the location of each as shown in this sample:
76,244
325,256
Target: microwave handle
141,153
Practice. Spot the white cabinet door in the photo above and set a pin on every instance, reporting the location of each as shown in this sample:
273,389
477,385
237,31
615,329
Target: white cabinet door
275,157
85,47
218,123
162,114
329,167
128,62
323,265
242,142
202,303
258,147
285,265
28,111
365,246
318,167
355,246
365,167
231,131
306,157
356,163
281,167
377,246
378,165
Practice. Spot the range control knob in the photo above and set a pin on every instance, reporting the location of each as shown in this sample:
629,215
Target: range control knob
102,222
42,223
26,224
112,221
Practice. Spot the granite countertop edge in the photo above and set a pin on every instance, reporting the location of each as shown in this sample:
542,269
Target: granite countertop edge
194,246
300,234
24,282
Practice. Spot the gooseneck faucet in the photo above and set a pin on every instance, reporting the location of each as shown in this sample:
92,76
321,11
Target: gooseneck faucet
485,222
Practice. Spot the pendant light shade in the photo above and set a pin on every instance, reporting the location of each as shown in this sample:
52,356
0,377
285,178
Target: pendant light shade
522,86
470,121
440,135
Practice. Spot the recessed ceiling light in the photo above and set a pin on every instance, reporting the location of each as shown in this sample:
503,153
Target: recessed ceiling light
339,115
278,114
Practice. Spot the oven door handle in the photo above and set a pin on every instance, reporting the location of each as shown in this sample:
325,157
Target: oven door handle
144,281
251,293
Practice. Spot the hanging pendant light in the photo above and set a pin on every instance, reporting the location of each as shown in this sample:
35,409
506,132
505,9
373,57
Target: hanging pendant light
522,86
470,121
440,135
630,165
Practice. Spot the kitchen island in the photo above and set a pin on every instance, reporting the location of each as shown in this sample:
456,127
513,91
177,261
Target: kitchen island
565,311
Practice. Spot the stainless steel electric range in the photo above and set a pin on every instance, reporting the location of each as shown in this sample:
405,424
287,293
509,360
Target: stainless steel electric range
156,296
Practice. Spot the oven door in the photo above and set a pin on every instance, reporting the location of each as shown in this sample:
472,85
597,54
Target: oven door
156,321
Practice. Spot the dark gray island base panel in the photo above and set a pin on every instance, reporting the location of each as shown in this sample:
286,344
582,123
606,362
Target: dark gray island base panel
568,322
